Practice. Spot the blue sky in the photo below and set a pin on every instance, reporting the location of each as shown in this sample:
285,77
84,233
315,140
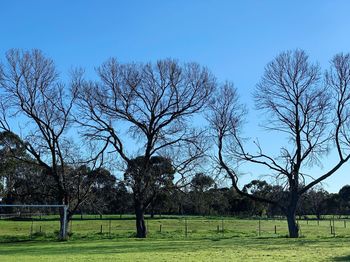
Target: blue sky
235,39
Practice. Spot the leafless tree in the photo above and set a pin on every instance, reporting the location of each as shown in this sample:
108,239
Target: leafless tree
33,96
155,103
301,107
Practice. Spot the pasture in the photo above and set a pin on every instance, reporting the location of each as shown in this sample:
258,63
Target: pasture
173,239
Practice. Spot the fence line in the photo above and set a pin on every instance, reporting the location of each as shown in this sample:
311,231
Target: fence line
186,226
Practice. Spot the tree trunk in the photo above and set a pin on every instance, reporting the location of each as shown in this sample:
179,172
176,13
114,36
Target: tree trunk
293,227
141,231
152,211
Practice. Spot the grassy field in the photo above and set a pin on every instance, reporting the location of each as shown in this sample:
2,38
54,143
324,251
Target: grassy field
206,240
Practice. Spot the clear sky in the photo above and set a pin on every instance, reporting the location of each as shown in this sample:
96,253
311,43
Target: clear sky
235,39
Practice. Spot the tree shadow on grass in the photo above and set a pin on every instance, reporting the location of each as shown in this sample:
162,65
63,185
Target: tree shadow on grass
342,258
77,247
98,247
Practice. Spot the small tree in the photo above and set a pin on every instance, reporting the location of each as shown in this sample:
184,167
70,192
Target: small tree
201,183
313,202
20,181
310,114
344,197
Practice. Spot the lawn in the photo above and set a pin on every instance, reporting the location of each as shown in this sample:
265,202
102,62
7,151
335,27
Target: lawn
205,241
232,249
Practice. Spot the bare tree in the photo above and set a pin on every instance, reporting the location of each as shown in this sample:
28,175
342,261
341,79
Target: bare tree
299,106
34,97
155,103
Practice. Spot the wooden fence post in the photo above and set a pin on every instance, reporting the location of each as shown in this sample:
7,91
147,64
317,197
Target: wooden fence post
31,228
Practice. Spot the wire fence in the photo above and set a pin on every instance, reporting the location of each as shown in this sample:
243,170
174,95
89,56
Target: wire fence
177,227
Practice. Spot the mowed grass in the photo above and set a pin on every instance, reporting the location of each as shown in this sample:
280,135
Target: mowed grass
238,241
233,249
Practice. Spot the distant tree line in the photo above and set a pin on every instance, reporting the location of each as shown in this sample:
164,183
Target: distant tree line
201,197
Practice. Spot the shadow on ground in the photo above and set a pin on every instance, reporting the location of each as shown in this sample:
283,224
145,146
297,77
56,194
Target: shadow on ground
342,258
149,245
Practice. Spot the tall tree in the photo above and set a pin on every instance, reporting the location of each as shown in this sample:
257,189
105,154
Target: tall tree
33,95
154,104
299,106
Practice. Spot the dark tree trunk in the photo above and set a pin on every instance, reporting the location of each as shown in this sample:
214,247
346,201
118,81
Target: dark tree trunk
141,230
293,227
152,211
181,209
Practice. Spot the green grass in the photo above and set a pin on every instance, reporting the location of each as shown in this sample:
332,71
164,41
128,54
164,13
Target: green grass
239,241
